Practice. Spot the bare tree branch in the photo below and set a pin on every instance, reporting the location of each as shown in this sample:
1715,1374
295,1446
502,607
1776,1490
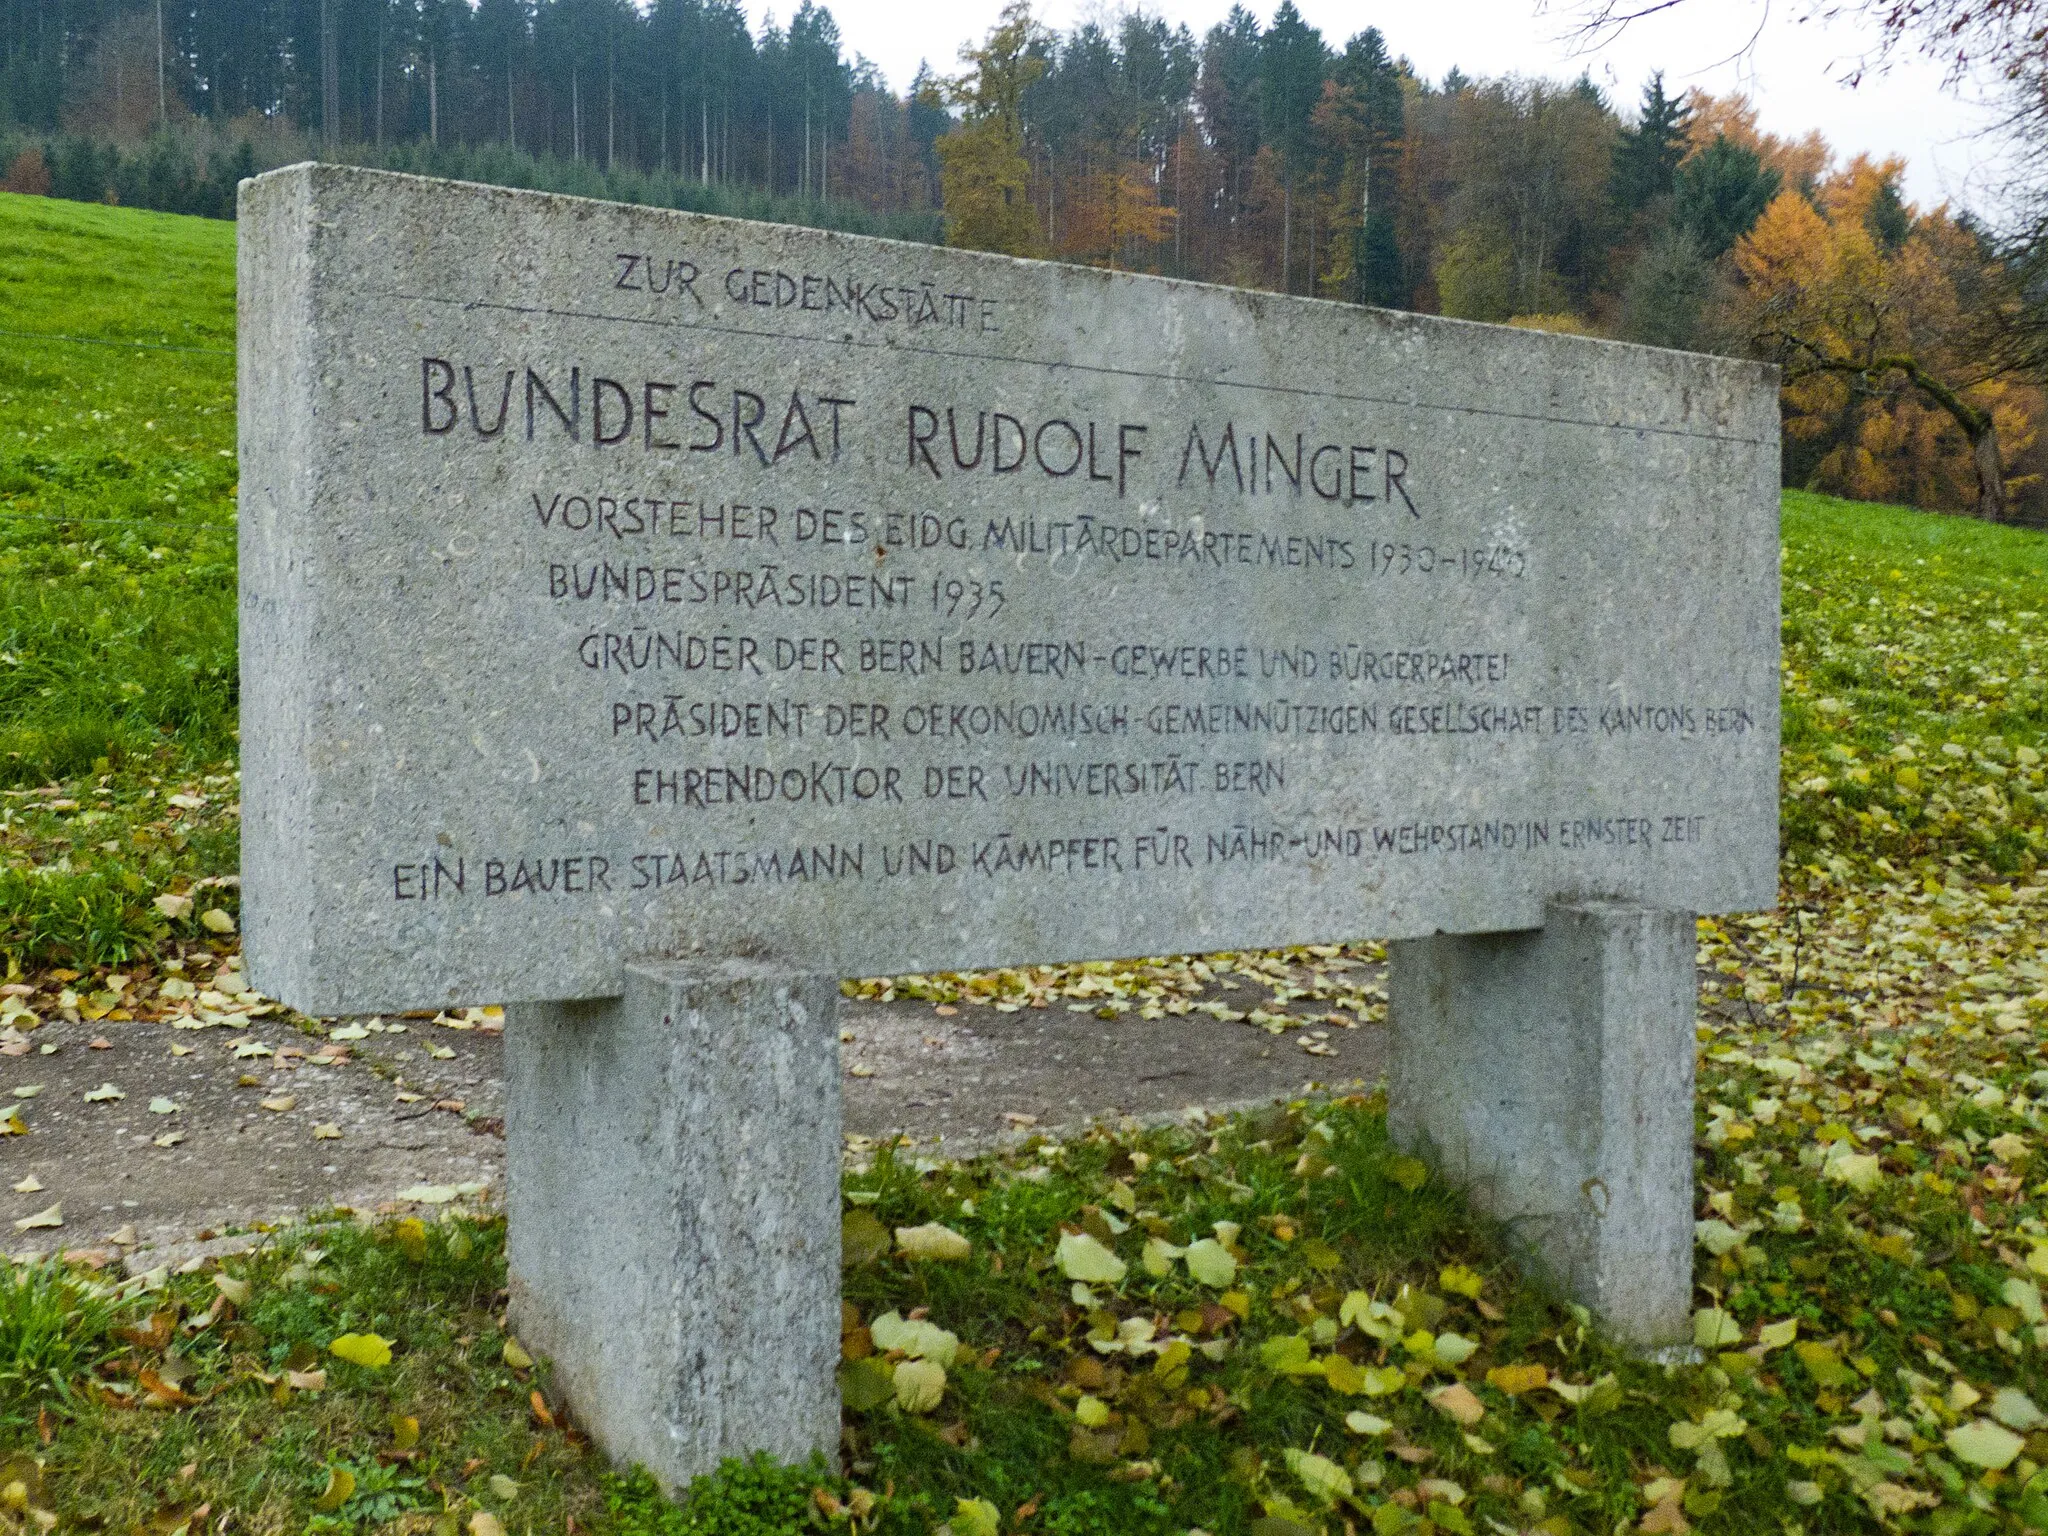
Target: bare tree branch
2007,37
1600,22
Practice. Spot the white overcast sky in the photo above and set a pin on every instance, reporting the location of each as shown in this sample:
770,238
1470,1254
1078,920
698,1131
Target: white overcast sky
1793,72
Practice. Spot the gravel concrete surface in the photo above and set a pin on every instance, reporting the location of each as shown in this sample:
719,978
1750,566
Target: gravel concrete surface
219,1132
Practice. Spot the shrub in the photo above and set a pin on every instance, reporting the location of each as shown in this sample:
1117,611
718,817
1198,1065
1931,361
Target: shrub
28,175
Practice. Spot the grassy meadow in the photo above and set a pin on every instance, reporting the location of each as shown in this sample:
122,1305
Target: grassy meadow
117,576
1271,1325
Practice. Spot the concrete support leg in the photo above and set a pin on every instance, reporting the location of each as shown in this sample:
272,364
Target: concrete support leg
673,1195
1551,1073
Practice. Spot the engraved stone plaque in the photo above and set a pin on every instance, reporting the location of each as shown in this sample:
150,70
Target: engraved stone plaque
619,583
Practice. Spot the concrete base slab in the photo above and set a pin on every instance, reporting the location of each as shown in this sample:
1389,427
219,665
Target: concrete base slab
1551,1072
673,1193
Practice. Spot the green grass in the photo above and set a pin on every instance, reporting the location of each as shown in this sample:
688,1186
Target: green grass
117,483
195,1380
199,1403
1906,629
1873,1118
117,577
54,1323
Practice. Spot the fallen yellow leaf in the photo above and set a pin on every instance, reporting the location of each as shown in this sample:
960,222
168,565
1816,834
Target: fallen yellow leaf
49,1216
1084,1258
932,1241
365,1349
1517,1379
341,1484
919,1385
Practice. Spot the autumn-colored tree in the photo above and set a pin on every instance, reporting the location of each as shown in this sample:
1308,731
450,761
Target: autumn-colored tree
1800,163
27,174
1529,163
1111,209
983,173
986,183
1854,323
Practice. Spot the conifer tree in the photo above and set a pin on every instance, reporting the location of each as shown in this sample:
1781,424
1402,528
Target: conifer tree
1650,153
1227,97
1369,105
1720,193
1292,59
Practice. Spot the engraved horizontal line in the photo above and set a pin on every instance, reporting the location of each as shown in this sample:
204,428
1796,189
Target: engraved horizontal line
1101,368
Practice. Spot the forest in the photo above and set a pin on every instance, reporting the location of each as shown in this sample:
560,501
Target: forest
1259,153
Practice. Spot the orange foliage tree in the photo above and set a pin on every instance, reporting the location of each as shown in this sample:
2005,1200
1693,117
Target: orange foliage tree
1109,209
1802,162
1878,318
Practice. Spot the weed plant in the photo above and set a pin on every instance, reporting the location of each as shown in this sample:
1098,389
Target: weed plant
55,1324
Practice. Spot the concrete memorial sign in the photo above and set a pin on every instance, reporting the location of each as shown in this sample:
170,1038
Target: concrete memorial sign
666,611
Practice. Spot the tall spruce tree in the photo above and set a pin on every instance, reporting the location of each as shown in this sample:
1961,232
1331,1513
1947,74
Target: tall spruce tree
1888,220
1650,153
1719,194
926,121
1227,97
1292,60
1372,85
